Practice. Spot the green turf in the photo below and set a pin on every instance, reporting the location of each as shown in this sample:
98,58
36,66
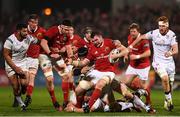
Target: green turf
41,105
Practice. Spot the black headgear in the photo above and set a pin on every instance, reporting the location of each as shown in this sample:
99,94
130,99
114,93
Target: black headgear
67,22
82,52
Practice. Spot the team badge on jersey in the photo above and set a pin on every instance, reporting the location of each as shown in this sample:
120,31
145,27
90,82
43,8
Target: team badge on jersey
107,48
39,35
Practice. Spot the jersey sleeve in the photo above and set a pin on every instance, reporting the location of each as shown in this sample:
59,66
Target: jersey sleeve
111,43
8,44
174,41
146,45
90,56
149,35
50,33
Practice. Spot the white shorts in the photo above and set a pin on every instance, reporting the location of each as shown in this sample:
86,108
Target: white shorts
44,61
32,63
97,75
142,73
164,69
22,65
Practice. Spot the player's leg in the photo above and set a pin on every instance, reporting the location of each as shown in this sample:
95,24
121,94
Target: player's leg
144,76
33,67
105,78
130,74
122,88
46,66
161,71
15,82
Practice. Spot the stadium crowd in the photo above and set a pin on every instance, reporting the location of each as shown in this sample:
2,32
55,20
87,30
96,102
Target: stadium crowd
114,26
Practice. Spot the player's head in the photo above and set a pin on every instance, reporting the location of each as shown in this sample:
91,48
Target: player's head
87,33
82,52
115,107
134,30
22,30
97,38
71,31
163,24
33,21
65,26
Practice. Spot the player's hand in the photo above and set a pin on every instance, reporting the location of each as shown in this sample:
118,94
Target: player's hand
70,108
85,69
62,50
19,71
112,56
168,54
130,48
55,49
69,61
55,56
126,59
134,57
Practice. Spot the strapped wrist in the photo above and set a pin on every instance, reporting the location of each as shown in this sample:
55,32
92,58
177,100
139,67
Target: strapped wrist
170,53
138,57
130,46
49,54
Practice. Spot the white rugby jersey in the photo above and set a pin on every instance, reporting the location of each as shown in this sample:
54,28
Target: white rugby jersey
19,48
161,44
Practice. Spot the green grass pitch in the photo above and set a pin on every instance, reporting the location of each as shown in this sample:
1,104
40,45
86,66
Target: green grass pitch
42,106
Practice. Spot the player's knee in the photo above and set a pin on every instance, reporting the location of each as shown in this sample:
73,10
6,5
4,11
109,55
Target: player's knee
101,83
162,73
79,90
124,89
50,80
165,79
84,84
171,77
48,74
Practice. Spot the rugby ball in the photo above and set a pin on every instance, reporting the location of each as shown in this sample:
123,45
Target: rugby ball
114,51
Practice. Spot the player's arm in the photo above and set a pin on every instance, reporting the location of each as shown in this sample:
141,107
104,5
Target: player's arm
69,50
145,54
137,40
79,63
172,51
8,57
123,52
44,45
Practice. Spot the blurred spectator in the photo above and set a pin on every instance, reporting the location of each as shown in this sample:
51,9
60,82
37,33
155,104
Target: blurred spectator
114,26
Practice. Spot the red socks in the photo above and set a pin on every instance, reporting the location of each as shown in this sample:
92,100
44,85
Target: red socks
29,90
53,98
65,89
96,94
148,98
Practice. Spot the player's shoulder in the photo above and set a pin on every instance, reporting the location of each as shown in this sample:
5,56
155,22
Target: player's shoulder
108,40
154,32
53,28
77,36
171,33
41,29
11,38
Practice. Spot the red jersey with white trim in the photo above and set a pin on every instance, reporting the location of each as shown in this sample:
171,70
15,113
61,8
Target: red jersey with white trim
35,49
76,42
55,38
100,56
139,48
88,44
